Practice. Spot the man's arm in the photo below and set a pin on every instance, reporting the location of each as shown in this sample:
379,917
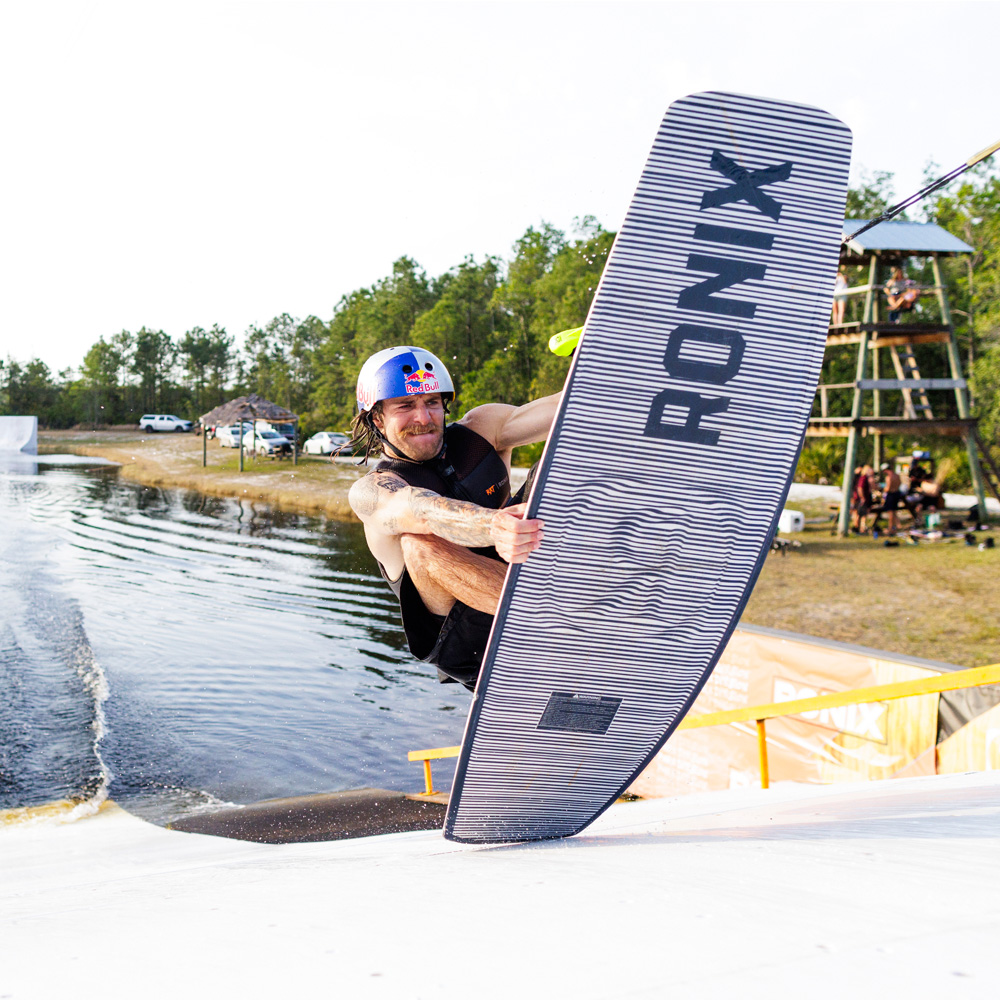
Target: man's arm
507,427
389,506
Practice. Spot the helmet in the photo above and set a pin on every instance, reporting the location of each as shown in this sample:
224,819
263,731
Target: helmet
401,371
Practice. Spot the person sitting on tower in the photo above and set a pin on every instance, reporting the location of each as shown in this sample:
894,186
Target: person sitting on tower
900,294
437,510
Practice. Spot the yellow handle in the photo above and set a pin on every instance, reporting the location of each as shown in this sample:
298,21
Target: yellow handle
565,342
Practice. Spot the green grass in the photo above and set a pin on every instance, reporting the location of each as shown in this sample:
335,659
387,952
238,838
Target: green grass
936,600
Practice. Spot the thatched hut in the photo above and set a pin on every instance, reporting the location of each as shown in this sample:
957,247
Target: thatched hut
253,408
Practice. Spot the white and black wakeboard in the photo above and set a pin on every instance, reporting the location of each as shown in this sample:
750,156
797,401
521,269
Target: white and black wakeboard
667,467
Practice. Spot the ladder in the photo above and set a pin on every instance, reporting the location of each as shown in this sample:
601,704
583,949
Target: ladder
905,363
990,469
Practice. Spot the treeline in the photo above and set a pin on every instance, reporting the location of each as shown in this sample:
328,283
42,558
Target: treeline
489,320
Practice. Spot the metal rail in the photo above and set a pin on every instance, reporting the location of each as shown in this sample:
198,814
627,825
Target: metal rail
974,677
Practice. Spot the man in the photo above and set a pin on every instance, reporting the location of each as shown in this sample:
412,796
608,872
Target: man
892,495
435,509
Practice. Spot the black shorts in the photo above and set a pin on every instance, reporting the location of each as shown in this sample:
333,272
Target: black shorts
892,500
455,644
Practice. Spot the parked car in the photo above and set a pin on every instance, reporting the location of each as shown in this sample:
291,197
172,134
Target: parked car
150,422
266,443
229,437
285,430
326,443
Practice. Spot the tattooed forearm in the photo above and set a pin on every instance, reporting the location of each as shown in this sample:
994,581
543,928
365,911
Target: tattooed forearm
454,520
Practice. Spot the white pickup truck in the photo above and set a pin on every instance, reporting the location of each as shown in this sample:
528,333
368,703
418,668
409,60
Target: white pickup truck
150,422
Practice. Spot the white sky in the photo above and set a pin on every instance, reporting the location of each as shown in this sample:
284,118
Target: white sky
175,165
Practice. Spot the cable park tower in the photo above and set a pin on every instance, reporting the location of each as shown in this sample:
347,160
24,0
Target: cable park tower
889,393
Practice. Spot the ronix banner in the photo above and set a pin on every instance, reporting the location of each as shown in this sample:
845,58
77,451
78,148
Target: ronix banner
856,742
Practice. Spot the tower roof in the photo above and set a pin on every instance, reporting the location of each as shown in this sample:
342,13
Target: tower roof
914,238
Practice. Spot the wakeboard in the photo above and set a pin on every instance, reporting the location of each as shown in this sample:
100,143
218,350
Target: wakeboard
667,466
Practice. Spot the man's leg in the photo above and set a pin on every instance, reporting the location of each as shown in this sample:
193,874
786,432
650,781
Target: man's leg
444,573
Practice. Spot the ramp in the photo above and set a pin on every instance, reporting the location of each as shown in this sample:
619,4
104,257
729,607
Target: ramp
19,434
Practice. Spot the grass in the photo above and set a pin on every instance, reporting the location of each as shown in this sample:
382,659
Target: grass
936,600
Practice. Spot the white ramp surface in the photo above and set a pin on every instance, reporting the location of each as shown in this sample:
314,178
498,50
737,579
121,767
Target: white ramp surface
19,434
889,889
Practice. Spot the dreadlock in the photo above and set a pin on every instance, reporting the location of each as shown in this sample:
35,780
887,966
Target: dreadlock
364,433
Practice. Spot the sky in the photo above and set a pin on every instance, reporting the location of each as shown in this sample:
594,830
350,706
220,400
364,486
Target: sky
174,165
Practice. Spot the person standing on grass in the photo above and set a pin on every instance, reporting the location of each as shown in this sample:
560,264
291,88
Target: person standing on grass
892,496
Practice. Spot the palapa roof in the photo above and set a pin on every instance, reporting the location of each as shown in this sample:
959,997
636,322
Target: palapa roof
252,407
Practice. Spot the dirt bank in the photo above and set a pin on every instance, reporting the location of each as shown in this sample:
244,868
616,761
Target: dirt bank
314,485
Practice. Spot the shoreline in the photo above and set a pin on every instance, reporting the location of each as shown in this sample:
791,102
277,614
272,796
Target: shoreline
173,461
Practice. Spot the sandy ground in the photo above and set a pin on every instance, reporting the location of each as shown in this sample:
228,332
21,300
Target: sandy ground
314,485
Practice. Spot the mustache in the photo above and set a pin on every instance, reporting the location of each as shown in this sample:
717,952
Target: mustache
419,429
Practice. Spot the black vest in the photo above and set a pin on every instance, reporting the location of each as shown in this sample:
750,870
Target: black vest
468,468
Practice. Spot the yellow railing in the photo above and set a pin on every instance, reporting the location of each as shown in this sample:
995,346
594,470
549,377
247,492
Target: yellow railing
975,677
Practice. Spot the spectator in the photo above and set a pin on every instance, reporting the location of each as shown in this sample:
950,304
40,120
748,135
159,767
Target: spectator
901,294
840,287
861,497
892,495
916,474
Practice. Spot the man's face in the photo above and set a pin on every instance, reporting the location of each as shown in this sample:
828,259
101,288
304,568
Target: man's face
414,424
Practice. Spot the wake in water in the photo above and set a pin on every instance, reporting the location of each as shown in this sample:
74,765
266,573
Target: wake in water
53,689
174,653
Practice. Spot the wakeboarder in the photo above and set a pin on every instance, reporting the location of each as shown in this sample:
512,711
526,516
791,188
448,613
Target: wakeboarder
437,508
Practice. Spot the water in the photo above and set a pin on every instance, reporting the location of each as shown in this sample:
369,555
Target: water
173,652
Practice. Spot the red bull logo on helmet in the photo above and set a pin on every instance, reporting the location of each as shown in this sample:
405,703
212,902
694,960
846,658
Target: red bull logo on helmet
421,381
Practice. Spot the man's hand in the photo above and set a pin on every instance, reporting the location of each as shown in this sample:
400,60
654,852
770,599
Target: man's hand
514,536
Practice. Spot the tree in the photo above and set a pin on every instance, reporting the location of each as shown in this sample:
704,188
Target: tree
197,351
534,253
28,390
871,197
464,327
99,371
152,361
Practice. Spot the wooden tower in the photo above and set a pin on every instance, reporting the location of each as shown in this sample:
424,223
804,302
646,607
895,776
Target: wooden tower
906,403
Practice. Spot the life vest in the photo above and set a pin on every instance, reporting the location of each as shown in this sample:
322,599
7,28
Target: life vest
467,468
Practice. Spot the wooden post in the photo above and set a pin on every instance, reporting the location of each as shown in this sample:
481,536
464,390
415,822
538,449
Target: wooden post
844,520
876,410
961,394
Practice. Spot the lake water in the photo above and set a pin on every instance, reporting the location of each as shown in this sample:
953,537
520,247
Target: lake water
176,651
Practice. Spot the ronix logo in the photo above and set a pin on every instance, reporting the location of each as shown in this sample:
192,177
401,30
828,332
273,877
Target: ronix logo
864,721
421,381
710,349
